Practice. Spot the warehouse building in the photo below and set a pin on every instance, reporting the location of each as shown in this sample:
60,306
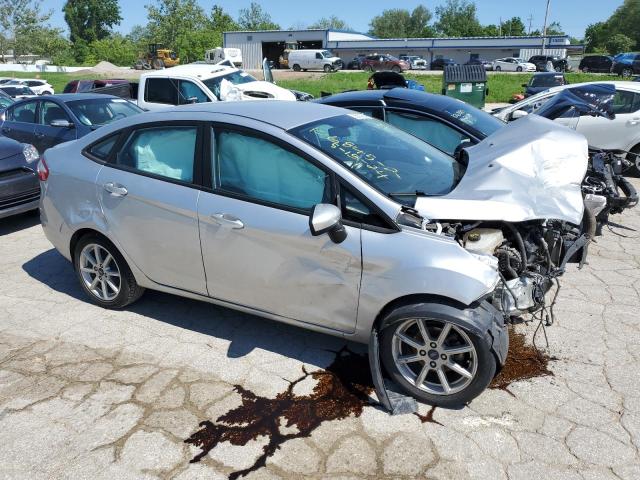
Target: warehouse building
271,43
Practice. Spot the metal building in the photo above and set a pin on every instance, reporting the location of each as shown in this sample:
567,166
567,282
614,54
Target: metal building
271,43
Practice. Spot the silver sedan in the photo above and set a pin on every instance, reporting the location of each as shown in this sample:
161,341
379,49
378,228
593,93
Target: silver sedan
247,205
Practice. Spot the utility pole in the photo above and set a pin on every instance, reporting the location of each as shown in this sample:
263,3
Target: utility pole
530,20
544,30
500,27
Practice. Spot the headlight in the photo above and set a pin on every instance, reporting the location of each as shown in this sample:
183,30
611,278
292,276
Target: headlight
30,153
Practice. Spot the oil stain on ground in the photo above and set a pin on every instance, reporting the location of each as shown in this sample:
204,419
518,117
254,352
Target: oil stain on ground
342,389
524,361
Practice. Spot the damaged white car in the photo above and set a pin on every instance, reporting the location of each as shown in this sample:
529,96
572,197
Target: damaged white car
329,220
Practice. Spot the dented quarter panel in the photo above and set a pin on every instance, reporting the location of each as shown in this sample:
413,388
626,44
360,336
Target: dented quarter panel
531,169
431,265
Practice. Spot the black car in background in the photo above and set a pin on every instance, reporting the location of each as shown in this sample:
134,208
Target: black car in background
596,64
19,187
440,63
626,64
540,61
356,63
543,81
480,61
444,122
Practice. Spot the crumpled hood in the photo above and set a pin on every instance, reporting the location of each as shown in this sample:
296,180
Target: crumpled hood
229,91
530,169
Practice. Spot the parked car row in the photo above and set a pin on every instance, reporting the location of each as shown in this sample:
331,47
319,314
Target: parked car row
396,218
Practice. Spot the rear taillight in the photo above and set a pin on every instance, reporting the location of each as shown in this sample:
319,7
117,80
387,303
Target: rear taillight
43,170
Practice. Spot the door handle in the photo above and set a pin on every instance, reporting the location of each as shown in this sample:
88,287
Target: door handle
228,220
115,190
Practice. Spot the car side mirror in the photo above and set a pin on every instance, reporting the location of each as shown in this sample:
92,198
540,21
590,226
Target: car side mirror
60,123
327,218
518,114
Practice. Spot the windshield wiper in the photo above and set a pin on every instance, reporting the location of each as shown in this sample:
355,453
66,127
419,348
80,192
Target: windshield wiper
415,193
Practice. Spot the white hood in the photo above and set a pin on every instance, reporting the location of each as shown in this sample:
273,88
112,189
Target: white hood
230,92
530,169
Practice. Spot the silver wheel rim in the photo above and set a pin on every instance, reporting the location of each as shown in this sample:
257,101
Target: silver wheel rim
100,272
434,356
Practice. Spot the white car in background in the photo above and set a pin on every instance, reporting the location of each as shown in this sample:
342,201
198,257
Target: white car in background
513,64
39,86
621,133
18,91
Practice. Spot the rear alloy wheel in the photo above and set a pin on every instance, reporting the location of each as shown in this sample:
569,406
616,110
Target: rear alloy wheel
519,69
327,68
627,72
296,67
437,361
104,274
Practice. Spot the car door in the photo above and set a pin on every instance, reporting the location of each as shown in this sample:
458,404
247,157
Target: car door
45,134
257,248
20,121
149,192
620,133
317,61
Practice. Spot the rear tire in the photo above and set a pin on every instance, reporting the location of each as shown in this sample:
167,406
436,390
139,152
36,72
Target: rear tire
396,69
427,370
103,273
627,72
296,67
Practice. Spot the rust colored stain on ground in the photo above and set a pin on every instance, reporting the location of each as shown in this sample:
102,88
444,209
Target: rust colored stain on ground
524,361
342,389
428,418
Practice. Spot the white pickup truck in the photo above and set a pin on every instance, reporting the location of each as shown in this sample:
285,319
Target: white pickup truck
198,83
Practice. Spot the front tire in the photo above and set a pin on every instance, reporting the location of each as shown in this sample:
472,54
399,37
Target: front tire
396,69
498,69
435,360
327,68
103,273
627,72
519,69
296,68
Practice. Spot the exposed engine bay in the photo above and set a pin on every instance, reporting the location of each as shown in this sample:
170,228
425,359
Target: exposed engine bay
605,190
529,256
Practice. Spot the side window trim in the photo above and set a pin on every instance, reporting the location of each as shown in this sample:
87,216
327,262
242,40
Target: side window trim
214,128
430,117
126,133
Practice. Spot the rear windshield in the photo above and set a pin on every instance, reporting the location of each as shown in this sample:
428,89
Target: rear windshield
98,111
546,80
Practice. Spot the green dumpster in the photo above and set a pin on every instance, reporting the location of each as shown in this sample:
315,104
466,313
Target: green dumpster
467,83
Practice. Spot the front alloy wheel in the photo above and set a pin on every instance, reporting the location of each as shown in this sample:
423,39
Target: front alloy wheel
437,361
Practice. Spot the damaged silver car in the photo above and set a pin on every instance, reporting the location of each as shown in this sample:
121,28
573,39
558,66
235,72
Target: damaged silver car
319,217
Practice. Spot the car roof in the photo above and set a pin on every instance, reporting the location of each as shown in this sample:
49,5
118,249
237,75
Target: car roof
279,113
69,97
416,97
200,70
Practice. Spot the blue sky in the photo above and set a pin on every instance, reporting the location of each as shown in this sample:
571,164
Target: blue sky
573,15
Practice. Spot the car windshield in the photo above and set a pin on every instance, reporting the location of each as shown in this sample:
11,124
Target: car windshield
546,81
394,162
18,90
98,111
326,54
519,60
481,121
237,78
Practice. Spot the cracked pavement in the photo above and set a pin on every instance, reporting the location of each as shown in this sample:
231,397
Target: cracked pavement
91,393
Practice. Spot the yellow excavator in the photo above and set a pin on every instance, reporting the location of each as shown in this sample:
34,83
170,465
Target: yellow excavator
157,57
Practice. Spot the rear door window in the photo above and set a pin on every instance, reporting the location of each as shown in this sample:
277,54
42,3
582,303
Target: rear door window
161,90
23,113
626,102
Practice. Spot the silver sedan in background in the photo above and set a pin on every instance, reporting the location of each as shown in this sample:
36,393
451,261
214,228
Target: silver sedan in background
244,204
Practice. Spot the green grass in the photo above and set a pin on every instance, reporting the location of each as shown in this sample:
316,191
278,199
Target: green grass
501,85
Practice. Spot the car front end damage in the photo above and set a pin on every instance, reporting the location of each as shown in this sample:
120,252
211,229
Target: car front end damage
520,204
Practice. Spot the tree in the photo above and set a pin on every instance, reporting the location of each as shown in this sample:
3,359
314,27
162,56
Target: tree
400,23
619,43
222,21
595,36
21,23
626,20
254,18
116,49
514,27
332,22
458,18
554,28
169,19
91,20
